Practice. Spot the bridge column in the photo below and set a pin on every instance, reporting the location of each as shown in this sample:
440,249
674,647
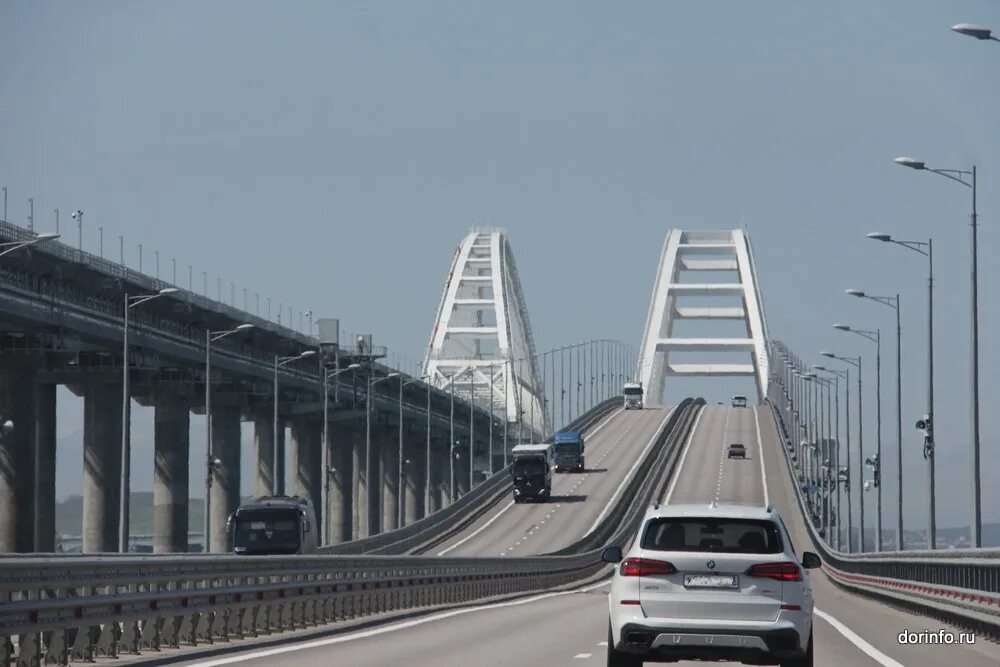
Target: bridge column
102,465
307,435
414,472
389,448
17,403
441,473
359,486
264,446
461,463
45,456
341,503
171,485
226,480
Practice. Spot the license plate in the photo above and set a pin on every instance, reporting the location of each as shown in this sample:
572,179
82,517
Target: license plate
710,581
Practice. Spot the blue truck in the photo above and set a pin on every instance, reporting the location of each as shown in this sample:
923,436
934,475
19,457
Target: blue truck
568,451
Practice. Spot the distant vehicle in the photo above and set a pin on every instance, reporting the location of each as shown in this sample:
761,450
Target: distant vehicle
569,450
739,401
532,472
632,395
737,451
274,525
710,583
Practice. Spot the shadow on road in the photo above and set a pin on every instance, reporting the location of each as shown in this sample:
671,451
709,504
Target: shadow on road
568,499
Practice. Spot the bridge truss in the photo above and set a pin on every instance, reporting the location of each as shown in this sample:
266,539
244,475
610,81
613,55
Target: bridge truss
687,288
481,346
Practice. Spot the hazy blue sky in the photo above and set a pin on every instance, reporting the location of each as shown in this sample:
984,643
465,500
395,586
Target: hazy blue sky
330,156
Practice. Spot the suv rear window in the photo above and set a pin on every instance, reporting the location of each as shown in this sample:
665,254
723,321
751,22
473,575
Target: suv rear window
745,536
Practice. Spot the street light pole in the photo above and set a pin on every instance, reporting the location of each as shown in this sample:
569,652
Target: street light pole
278,482
926,249
427,458
123,501
857,363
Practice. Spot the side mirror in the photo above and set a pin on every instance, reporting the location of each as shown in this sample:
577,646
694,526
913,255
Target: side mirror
810,561
612,555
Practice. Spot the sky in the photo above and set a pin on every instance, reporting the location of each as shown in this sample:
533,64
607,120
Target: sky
330,155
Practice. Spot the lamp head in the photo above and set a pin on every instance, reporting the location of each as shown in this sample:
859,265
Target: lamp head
831,355
973,30
842,327
168,290
855,292
47,236
879,236
910,162
307,353
245,327
354,367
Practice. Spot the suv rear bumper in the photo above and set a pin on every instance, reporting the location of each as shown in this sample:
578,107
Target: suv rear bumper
654,643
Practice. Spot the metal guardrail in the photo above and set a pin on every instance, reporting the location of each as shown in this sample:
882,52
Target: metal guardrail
57,611
958,585
448,521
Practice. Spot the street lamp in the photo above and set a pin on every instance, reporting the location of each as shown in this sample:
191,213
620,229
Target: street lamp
856,362
837,376
278,483
211,462
399,472
958,175
874,336
370,492
893,302
123,502
972,30
925,248
327,471
13,246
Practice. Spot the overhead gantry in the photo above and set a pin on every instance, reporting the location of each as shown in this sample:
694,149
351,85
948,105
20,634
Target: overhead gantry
685,290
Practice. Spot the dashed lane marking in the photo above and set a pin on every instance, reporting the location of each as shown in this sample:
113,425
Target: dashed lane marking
582,656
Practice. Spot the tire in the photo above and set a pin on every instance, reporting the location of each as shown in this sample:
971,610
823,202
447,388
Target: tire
620,658
802,661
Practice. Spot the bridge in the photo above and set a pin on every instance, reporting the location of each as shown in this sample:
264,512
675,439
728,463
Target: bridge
472,578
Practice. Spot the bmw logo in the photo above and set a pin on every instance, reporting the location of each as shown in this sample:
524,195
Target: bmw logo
711,564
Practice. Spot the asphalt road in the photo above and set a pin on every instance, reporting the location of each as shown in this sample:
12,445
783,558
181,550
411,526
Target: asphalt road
578,499
571,628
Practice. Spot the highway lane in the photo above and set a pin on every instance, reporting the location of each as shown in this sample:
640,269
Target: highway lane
571,628
706,475
578,499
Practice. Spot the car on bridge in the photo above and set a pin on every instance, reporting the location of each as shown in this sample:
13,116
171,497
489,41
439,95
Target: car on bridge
736,451
713,583
739,401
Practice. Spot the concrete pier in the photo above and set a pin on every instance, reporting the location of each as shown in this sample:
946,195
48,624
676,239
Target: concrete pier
307,477
45,468
461,464
359,483
171,486
342,436
226,484
102,465
389,449
264,447
17,464
414,471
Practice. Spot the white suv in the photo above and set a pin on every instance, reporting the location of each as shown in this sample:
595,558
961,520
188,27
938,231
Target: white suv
711,583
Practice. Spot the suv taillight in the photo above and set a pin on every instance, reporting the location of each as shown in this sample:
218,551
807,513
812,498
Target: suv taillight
645,567
777,571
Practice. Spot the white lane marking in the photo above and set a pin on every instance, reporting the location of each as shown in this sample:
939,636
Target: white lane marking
724,456
760,454
478,530
680,464
854,638
583,656
602,643
621,487
381,630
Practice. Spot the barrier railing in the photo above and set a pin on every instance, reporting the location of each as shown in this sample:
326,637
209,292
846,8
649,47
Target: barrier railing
52,610
958,585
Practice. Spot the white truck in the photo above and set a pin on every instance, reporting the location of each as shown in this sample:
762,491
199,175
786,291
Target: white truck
532,472
632,395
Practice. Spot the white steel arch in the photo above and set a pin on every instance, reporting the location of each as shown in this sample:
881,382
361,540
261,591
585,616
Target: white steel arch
699,253
482,343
